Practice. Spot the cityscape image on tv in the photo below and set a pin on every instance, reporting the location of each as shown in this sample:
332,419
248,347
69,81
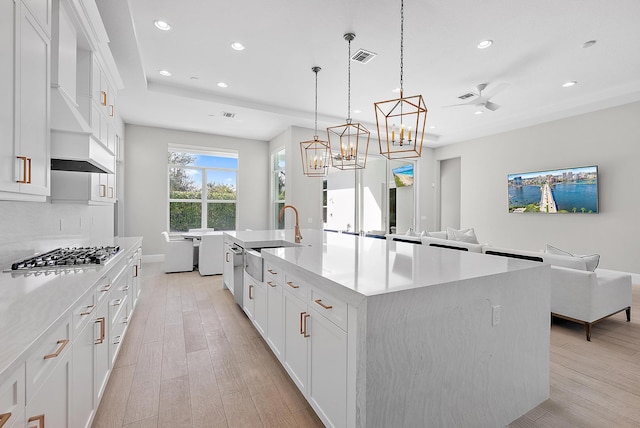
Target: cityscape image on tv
570,190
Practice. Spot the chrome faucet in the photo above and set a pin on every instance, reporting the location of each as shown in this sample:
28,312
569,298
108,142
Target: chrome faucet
297,226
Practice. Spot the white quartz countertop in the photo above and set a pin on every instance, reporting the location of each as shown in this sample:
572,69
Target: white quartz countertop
367,266
31,302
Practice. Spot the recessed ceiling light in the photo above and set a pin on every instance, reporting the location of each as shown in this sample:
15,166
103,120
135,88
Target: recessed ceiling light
478,112
569,84
357,111
588,44
237,46
222,85
432,127
396,90
162,25
485,44
166,73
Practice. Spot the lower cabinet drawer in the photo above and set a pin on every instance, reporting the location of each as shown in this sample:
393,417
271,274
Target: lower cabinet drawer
331,308
12,399
45,356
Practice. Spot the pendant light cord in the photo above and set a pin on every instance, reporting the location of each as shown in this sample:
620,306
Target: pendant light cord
401,45
349,85
315,70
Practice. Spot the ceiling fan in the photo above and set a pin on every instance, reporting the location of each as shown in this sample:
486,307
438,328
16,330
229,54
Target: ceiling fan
481,98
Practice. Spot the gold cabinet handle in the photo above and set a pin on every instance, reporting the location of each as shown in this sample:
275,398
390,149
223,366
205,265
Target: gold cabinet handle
103,96
292,285
111,193
116,302
103,190
26,170
62,343
319,301
272,272
4,418
125,320
271,284
106,288
125,288
112,110
88,310
301,316
306,317
250,292
226,257
39,419
101,320
136,275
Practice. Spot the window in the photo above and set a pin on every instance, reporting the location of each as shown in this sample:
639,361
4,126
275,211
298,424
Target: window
202,190
278,184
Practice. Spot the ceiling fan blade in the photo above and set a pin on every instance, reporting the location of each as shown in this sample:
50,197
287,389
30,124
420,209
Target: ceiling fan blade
492,106
495,89
457,105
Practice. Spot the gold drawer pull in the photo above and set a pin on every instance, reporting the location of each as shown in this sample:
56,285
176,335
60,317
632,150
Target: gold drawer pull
116,340
271,284
62,342
116,302
319,301
301,316
103,96
125,288
111,194
272,272
88,310
290,284
112,110
306,317
105,288
26,170
39,419
101,320
250,290
4,418
103,190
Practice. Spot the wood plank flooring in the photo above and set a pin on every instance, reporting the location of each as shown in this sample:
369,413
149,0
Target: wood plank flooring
192,359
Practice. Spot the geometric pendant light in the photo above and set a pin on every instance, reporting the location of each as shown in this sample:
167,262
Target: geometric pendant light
401,121
315,153
349,142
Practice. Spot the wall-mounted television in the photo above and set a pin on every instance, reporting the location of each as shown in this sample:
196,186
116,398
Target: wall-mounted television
568,190
403,175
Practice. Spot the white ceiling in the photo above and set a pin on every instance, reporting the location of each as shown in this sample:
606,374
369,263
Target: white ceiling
537,47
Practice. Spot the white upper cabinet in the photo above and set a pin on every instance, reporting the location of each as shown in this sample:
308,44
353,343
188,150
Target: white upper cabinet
24,146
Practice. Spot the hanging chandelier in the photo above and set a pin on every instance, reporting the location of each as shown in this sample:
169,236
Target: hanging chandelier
349,143
401,121
315,153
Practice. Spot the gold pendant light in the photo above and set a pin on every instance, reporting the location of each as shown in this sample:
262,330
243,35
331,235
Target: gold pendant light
401,121
315,153
347,141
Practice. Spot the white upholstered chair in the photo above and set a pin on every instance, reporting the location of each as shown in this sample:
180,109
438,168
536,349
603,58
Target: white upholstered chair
178,254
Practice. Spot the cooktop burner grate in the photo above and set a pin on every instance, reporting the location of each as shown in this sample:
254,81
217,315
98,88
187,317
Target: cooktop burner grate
63,257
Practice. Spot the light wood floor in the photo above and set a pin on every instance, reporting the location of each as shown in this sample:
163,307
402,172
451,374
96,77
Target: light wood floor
192,359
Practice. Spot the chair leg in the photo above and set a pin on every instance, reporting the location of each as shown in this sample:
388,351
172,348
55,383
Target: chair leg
628,311
587,327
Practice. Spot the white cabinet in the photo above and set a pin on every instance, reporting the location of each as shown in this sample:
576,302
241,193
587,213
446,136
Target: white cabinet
24,80
255,302
295,341
275,317
83,188
12,399
83,377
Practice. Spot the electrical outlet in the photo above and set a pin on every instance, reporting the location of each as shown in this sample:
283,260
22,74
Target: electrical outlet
495,315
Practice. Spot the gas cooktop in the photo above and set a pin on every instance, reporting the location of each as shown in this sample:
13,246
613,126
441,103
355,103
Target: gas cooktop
67,257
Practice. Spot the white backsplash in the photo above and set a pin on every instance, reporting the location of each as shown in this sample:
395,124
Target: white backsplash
30,227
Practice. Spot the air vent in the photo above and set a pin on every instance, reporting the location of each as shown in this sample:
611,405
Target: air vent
228,115
467,95
363,56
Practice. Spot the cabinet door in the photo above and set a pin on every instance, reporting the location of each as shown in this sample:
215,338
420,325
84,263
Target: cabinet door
101,344
327,390
12,399
32,105
295,344
7,142
227,268
248,293
260,309
275,326
51,405
82,377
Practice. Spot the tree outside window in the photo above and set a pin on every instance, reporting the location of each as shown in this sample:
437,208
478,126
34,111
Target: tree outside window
192,208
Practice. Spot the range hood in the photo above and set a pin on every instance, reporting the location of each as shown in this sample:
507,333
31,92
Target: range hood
73,146
79,151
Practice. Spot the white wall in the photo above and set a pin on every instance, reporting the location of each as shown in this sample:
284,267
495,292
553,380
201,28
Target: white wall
449,193
608,138
305,193
146,185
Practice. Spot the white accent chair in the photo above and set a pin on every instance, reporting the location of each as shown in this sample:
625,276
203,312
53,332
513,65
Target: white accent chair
210,255
178,254
578,294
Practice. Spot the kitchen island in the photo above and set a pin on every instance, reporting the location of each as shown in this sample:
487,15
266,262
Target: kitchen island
377,333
